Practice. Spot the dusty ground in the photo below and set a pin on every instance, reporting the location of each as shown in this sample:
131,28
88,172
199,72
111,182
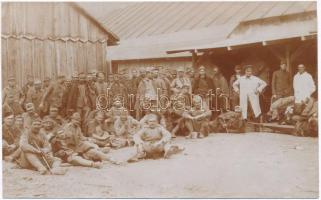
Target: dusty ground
258,165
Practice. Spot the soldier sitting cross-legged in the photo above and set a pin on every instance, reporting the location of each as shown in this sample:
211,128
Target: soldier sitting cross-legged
153,140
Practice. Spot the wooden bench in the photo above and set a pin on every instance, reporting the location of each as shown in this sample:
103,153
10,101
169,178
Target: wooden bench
274,127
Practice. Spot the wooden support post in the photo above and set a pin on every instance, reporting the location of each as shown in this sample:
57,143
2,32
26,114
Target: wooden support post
194,59
288,59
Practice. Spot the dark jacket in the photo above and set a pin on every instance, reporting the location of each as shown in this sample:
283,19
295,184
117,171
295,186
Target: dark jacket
73,96
197,89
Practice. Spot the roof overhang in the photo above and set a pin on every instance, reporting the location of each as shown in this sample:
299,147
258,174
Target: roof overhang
260,33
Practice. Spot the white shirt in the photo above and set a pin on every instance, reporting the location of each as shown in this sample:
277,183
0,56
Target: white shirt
303,86
249,85
150,90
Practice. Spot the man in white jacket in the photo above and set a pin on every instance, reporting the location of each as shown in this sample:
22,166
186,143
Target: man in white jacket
249,87
303,85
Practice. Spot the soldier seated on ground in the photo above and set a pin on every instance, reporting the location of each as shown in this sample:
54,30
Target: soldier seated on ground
196,119
299,111
10,138
54,115
229,122
76,141
179,104
10,105
153,141
112,114
97,132
305,122
36,151
49,126
29,116
61,150
19,123
125,127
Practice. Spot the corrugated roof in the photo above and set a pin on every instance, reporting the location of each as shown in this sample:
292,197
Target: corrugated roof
156,18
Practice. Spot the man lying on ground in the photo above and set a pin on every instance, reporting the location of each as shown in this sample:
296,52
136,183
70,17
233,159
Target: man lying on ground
229,122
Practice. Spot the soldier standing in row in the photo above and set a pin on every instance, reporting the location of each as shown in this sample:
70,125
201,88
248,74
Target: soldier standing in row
13,90
281,83
249,87
234,96
53,95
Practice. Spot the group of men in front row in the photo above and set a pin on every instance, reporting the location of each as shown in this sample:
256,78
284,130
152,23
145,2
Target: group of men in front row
45,124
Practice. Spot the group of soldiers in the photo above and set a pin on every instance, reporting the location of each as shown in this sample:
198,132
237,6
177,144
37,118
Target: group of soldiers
78,120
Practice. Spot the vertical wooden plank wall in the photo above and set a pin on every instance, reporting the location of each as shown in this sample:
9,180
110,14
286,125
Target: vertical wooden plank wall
46,39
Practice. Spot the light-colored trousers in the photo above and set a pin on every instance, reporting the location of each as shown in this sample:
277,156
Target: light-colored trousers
254,102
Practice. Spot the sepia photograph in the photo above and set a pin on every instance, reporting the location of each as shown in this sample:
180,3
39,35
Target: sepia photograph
159,99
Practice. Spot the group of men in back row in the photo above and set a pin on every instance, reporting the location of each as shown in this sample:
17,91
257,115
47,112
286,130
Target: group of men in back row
78,120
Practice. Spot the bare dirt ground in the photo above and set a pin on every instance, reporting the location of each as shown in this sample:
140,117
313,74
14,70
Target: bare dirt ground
260,165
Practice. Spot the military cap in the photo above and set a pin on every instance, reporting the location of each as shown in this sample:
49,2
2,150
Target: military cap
29,106
100,113
248,67
61,76
202,68
189,69
53,108
237,67
10,95
19,117
197,98
11,78
48,119
37,82
37,120
180,69
76,116
82,76
7,114
237,109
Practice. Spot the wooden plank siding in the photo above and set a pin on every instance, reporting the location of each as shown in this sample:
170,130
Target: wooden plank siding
47,39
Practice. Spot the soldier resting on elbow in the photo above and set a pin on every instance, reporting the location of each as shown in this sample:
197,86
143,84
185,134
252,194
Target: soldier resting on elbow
82,145
68,155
